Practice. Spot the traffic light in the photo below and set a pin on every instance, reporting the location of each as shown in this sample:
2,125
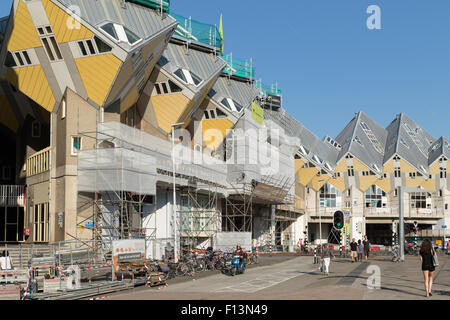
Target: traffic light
338,220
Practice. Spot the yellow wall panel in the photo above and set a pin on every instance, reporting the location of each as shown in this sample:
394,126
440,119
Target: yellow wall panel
389,167
429,184
7,116
406,167
33,82
168,108
98,74
339,183
384,184
306,174
414,182
435,167
24,34
59,22
448,166
366,181
316,185
219,124
359,166
342,166
298,164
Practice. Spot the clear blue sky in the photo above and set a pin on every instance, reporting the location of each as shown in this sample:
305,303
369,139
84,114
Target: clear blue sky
329,65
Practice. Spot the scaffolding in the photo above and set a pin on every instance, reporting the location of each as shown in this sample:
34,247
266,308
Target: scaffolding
119,180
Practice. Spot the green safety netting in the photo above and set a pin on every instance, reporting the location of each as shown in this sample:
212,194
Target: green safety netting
238,67
154,4
197,31
267,90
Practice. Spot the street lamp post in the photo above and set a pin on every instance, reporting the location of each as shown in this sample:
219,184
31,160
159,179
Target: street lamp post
174,211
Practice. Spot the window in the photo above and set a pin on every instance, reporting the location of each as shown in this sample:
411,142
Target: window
440,193
82,48
76,145
446,206
443,174
419,200
40,222
213,115
356,139
412,175
348,156
9,61
158,89
397,172
63,108
349,192
220,114
188,77
374,197
376,144
101,46
351,171
120,33
395,192
19,58
50,44
164,87
303,150
173,87
91,47
330,197
36,129
231,105
207,115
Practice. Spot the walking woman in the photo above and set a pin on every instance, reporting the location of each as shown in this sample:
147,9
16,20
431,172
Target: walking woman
366,245
426,257
326,256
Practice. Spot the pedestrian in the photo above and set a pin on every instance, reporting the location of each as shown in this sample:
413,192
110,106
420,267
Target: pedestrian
426,257
353,250
360,250
326,256
366,245
448,246
6,261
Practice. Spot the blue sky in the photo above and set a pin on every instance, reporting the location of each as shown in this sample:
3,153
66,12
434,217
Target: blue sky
329,65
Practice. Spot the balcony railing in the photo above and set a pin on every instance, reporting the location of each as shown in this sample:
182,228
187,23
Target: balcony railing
12,196
323,211
409,212
38,162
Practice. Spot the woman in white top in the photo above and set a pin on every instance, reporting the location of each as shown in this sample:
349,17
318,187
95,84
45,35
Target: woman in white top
5,261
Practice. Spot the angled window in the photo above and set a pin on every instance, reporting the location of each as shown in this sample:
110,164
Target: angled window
9,61
101,46
220,113
206,115
188,77
110,30
231,105
164,87
303,150
376,144
173,87
120,33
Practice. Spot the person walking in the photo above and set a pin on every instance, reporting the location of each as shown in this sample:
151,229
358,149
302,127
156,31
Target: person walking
326,256
428,268
6,261
353,250
360,250
366,245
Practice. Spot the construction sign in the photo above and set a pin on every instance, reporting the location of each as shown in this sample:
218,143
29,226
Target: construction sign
127,250
257,113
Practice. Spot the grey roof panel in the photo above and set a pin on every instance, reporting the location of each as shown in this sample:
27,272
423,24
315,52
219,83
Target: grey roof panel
294,128
142,21
202,64
440,147
364,139
410,141
242,92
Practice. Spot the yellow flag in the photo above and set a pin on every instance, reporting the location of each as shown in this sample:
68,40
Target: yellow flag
221,34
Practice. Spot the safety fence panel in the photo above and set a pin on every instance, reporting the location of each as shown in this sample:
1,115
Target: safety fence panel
197,31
